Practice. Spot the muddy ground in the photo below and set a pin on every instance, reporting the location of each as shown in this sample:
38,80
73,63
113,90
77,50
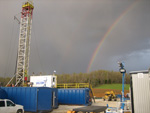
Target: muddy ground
101,92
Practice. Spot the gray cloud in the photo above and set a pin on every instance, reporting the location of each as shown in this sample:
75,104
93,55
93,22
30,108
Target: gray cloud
65,34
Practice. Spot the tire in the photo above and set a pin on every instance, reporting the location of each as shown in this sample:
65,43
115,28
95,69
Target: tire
19,111
109,98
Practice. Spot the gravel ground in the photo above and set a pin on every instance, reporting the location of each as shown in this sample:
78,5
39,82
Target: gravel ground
99,102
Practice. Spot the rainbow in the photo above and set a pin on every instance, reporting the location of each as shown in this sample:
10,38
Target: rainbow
108,32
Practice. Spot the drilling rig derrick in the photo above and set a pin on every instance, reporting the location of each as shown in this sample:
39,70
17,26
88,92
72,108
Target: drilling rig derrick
24,43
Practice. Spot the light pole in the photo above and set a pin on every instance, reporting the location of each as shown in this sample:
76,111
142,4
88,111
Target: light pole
123,71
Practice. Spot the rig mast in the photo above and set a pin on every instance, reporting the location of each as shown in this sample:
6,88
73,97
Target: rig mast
24,43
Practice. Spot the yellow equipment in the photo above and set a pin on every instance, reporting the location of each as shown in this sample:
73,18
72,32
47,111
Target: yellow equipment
109,95
71,111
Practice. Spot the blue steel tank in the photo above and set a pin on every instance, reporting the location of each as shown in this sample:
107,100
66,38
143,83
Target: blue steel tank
3,94
34,99
75,96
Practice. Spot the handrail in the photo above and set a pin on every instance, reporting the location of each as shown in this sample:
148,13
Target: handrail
73,85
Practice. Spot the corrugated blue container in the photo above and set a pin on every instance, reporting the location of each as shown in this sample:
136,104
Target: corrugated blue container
78,96
32,98
3,94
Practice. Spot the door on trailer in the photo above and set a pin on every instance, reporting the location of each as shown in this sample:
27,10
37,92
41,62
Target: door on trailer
53,99
87,95
54,81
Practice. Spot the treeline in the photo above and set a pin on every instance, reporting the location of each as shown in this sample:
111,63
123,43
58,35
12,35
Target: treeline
4,81
95,78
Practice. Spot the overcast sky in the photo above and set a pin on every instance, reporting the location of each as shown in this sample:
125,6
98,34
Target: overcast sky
65,34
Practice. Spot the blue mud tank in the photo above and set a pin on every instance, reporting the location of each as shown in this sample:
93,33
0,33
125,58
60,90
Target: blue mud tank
3,94
34,99
77,96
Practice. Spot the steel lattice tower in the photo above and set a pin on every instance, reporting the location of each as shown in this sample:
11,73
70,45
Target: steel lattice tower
24,42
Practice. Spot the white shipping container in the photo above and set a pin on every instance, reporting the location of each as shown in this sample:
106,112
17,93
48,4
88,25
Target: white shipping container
44,81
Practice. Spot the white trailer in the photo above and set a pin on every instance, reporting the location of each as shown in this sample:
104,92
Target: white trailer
140,91
44,81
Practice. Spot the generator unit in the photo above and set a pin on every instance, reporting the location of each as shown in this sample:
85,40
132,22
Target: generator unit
140,91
